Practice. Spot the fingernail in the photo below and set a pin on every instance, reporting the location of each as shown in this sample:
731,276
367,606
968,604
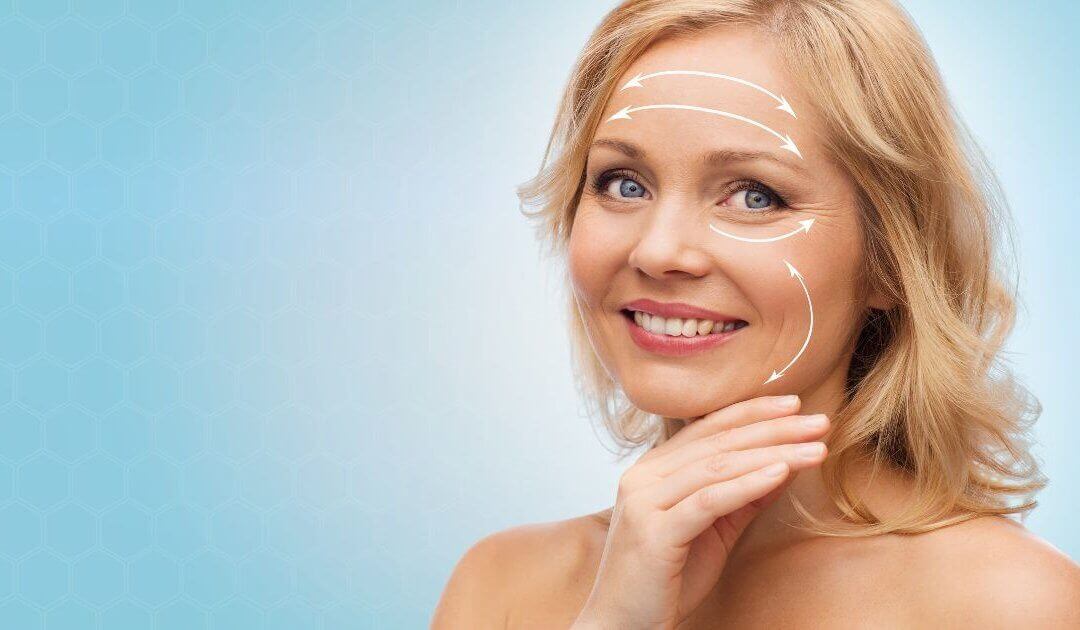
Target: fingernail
815,421
774,470
787,401
810,450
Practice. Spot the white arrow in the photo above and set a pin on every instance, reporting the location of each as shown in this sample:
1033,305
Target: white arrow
795,274
784,105
789,144
805,228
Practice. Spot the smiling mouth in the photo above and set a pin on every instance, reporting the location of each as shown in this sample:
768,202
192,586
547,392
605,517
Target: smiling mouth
681,327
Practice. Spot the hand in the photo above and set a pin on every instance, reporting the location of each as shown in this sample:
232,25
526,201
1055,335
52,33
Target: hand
681,507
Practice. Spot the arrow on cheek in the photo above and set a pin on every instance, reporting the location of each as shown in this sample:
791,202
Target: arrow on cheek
805,228
795,274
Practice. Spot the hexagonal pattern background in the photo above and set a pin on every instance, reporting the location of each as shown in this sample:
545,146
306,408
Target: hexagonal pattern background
275,344
190,386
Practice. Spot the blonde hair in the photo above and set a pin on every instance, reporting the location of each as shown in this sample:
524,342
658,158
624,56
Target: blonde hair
927,392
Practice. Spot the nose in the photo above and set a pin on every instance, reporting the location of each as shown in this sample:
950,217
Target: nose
669,244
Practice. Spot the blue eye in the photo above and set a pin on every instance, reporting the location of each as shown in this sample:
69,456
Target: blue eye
618,184
756,196
630,188
757,199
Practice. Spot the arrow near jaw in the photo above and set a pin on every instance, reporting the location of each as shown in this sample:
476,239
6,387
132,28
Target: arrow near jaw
795,274
788,143
805,228
784,105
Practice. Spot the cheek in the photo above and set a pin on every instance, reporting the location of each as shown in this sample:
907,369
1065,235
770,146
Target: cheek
593,256
765,282
832,265
829,266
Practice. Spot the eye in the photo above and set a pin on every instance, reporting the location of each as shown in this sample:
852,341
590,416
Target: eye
618,185
756,197
629,187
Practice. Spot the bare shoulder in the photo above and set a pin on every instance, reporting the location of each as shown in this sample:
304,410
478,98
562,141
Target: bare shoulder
529,575
994,572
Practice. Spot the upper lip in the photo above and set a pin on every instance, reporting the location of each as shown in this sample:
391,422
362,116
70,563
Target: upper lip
677,309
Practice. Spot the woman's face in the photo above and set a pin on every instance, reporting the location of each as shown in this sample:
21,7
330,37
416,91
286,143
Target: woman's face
676,209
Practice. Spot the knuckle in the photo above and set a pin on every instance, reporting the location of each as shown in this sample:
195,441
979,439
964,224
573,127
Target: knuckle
718,464
634,512
708,497
722,438
628,482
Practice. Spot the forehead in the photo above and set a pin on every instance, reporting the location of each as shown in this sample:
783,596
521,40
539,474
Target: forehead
741,52
739,49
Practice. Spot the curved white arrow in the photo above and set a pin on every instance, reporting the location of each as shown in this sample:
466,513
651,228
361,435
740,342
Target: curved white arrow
789,144
784,105
795,274
805,228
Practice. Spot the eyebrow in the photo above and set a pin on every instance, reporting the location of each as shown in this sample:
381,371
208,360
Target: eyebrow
710,159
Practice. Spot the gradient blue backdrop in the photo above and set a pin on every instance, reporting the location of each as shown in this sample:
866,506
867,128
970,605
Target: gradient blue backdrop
276,346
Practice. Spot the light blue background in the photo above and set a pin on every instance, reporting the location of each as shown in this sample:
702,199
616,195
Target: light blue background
276,346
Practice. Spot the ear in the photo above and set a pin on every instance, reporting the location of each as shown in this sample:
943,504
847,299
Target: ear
877,300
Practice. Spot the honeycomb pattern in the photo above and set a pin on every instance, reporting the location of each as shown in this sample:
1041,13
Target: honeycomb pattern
212,217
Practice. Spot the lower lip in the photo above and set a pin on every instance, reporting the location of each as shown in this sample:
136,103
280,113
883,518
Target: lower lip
675,346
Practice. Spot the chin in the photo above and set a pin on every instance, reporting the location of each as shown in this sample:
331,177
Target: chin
678,400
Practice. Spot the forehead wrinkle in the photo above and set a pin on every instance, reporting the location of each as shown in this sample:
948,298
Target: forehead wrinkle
713,158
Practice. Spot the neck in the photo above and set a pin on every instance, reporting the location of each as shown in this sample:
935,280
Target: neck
881,490
770,530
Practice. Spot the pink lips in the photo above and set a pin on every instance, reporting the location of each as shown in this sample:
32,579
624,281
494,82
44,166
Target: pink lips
668,310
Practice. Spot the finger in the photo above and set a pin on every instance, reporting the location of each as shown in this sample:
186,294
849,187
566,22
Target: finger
786,430
740,518
774,494
729,465
739,414
688,518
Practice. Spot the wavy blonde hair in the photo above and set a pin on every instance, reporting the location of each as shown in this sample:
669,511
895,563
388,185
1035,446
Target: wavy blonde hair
927,392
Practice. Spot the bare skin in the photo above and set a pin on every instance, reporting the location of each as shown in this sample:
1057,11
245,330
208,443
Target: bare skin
985,573
744,567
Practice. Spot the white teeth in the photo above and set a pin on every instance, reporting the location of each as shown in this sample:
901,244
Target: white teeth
678,327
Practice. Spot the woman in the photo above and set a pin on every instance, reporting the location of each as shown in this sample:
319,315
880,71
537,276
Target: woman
757,199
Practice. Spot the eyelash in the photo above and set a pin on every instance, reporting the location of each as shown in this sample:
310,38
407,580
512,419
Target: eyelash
600,183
